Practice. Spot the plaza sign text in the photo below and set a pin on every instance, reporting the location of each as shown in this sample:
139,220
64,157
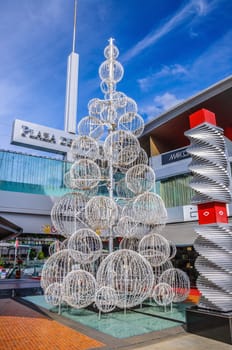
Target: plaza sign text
174,156
41,137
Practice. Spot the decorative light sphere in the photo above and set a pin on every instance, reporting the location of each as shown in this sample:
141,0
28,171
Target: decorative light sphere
159,269
132,122
52,294
78,289
95,106
112,71
84,147
85,174
155,248
111,51
106,299
119,99
129,274
179,282
163,294
85,246
142,158
150,209
91,126
56,268
68,214
122,190
173,250
140,178
101,212
125,226
122,147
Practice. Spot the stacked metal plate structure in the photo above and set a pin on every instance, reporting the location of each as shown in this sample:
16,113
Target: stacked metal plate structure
211,182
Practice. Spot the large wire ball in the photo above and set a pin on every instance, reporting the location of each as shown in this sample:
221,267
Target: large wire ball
91,126
131,243
52,294
108,114
159,269
111,70
119,99
106,299
84,147
78,289
129,274
68,213
140,178
95,107
85,174
101,212
179,282
122,190
85,246
155,248
132,122
56,268
163,294
125,227
122,147
141,158
150,209
111,51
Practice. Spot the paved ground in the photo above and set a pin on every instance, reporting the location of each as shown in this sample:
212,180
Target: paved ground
24,328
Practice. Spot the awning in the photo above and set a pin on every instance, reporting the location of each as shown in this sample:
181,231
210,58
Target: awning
8,229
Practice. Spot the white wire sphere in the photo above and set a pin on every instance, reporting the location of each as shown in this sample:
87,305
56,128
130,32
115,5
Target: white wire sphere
122,147
52,294
107,86
163,294
129,274
131,243
91,126
106,299
78,288
125,227
155,248
119,99
85,246
84,147
179,282
111,70
140,178
150,209
101,212
95,107
159,269
141,158
56,268
68,214
85,174
71,184
132,122
122,190
111,51
108,114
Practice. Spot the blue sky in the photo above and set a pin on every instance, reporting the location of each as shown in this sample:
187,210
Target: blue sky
170,50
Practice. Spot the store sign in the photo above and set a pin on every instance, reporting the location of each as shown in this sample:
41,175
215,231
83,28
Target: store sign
48,229
174,156
41,137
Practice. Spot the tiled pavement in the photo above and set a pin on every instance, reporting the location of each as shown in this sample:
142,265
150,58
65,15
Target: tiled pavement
24,328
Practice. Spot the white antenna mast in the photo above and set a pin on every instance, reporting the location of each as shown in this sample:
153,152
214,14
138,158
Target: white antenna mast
74,26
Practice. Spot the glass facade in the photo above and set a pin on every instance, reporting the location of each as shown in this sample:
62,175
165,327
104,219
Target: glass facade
32,174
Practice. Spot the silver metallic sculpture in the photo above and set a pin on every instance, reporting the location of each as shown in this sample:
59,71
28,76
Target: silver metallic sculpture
112,196
211,182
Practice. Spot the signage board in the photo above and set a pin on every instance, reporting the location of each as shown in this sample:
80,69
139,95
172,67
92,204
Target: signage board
40,137
174,156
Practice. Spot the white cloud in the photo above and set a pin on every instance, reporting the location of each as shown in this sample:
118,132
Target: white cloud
161,104
191,9
173,70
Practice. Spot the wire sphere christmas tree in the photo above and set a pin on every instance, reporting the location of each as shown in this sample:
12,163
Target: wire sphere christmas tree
111,194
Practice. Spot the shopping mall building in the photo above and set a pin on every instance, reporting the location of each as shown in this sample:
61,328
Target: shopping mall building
29,185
